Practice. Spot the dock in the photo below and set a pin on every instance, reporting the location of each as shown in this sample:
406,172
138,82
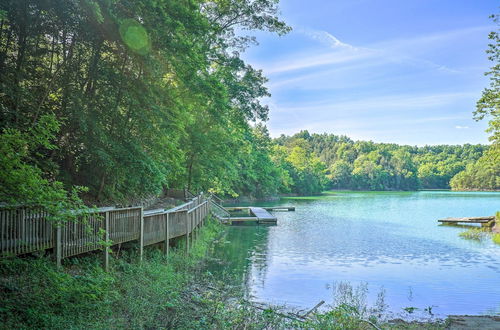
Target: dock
258,215
484,221
277,208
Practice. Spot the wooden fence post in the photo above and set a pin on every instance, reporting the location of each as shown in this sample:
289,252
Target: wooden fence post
195,220
166,246
204,213
195,224
187,231
106,241
58,245
141,235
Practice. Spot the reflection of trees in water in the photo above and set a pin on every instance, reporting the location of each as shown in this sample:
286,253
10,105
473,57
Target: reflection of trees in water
257,270
243,255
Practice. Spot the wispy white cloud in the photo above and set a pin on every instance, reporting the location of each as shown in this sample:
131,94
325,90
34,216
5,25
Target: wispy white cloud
462,127
423,42
299,62
326,38
400,102
324,78
396,50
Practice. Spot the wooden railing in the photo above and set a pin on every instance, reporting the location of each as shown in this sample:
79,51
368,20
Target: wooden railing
216,199
28,229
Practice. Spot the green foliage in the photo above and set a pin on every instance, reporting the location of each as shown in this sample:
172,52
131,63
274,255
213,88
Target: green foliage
380,166
154,293
130,99
477,234
481,175
147,94
496,238
485,174
489,103
306,173
21,179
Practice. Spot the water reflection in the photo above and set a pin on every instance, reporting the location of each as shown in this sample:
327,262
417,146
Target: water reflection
242,255
389,240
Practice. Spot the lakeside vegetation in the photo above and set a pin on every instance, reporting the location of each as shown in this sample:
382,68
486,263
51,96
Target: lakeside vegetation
159,292
482,233
117,103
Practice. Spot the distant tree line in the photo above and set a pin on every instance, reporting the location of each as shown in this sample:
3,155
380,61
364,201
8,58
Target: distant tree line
363,165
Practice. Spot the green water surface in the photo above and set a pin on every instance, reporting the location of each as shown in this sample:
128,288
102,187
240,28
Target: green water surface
389,241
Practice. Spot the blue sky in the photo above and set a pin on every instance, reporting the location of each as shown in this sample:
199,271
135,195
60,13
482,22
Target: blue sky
408,72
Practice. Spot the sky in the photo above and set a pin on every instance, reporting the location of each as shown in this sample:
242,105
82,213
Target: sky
407,72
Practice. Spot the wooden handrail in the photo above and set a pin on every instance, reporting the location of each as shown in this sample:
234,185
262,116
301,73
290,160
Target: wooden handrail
28,229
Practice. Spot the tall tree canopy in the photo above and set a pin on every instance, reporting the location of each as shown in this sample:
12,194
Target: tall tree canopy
485,173
144,94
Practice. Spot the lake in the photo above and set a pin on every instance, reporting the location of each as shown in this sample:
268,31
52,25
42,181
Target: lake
384,241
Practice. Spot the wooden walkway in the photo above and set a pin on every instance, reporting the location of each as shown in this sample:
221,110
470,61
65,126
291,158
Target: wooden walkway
490,220
26,229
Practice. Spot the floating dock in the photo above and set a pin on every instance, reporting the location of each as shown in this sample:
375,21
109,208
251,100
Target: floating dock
277,208
484,221
258,215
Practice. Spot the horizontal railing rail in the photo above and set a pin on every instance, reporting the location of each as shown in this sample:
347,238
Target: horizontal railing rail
216,199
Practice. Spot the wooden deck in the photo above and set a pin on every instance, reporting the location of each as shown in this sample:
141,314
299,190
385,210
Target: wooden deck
489,220
263,215
258,215
276,208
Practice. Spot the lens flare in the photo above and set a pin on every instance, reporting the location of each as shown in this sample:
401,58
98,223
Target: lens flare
135,36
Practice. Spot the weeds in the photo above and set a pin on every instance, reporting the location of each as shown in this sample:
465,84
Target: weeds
477,234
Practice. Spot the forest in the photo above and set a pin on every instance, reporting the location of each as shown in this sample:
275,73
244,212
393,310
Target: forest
104,100
365,165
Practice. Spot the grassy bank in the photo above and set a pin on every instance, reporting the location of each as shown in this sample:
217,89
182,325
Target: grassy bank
482,233
174,292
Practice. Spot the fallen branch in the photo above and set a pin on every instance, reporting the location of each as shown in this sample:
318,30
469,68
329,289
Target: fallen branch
312,310
370,323
294,318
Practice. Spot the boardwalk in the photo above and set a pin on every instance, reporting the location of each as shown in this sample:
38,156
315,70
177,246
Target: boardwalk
29,229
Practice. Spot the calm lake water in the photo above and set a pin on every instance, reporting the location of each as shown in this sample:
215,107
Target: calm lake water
388,241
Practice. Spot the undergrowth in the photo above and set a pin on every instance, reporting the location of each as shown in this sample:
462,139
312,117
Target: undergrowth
161,292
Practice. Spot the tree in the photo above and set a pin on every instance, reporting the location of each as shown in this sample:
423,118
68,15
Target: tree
489,103
485,174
